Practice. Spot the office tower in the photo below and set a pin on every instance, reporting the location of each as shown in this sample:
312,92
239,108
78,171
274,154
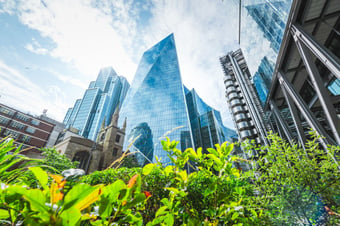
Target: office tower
303,90
270,17
155,104
98,103
305,80
243,101
206,123
30,131
263,78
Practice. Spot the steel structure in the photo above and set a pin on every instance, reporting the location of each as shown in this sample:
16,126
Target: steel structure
308,62
304,92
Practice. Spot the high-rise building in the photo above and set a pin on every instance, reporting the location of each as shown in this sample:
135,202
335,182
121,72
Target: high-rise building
303,87
270,17
158,105
155,104
206,123
98,103
243,101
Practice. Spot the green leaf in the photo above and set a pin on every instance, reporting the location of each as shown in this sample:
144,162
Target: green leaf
41,176
37,200
4,214
71,216
212,151
81,195
161,210
169,219
148,168
235,216
215,159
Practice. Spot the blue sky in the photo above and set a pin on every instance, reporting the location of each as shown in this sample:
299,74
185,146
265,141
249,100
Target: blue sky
51,49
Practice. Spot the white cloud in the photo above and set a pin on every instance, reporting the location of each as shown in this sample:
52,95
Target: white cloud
7,6
18,91
84,35
204,31
35,47
90,34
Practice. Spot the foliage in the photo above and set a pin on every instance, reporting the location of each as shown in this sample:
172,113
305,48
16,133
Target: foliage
297,185
56,161
216,194
289,186
109,176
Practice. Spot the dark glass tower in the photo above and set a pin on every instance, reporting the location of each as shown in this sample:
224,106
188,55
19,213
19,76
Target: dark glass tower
263,78
155,103
98,103
206,123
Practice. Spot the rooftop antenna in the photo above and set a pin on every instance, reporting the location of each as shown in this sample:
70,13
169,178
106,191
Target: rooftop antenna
239,22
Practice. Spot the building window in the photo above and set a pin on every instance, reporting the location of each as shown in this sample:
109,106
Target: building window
17,125
102,137
117,138
6,111
22,117
11,133
3,120
115,151
30,130
307,92
25,139
35,122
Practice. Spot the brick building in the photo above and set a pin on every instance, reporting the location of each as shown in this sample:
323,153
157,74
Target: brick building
25,129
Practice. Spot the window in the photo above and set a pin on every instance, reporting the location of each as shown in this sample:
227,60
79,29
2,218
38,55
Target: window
25,139
6,111
115,151
117,138
11,133
17,125
22,117
30,130
35,122
3,120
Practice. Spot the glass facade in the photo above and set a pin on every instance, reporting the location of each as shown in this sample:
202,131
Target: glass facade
206,123
155,104
98,104
262,27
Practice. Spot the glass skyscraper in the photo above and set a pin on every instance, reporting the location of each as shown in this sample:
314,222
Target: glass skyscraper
98,103
206,123
271,17
156,106
155,103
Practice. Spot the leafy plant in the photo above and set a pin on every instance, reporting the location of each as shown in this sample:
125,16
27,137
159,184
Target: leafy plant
297,185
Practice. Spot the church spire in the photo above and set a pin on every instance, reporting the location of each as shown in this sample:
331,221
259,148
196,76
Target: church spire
115,116
124,125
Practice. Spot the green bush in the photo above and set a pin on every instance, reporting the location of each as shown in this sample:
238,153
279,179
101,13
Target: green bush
290,186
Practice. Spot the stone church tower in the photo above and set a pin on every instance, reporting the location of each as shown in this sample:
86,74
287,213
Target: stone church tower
111,138
99,155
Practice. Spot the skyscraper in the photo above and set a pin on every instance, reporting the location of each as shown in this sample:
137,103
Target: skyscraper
206,123
98,103
158,105
243,101
155,103
302,91
271,17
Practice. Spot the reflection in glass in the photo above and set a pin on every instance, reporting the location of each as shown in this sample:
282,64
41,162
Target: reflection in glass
262,27
143,145
156,98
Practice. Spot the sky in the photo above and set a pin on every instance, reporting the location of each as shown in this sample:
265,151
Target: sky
50,50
